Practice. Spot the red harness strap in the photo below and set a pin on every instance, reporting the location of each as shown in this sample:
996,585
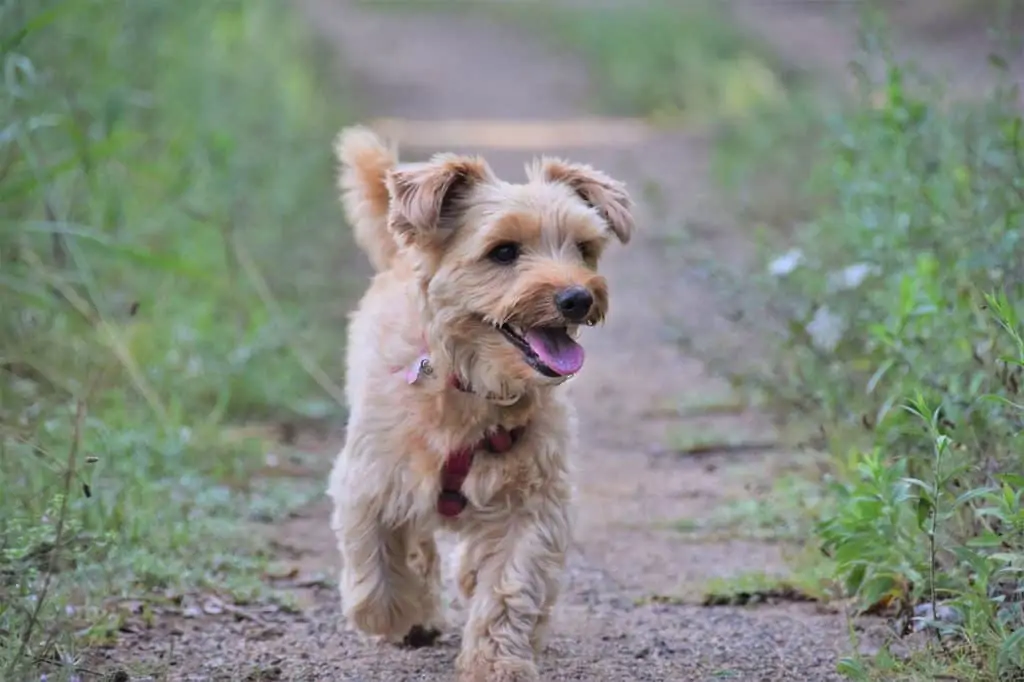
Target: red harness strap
451,501
498,441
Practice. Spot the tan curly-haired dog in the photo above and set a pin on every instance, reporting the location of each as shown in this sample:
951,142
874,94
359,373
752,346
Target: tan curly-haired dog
458,420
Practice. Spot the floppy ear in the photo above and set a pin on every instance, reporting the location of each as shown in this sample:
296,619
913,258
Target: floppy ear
427,199
607,195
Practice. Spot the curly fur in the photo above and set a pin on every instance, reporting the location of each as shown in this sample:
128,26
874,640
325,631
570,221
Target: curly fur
427,228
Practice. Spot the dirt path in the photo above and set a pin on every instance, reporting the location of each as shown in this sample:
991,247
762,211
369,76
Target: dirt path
633,487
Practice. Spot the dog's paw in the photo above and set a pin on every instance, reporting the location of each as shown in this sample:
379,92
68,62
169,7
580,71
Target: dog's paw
420,636
498,671
390,618
539,638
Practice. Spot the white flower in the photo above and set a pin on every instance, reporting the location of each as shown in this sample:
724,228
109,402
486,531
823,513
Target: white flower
786,263
852,276
26,388
826,329
240,355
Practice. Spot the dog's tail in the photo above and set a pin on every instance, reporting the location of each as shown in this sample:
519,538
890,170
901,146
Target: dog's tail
365,161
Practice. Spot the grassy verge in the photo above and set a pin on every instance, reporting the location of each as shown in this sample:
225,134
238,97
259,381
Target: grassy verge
897,278
171,262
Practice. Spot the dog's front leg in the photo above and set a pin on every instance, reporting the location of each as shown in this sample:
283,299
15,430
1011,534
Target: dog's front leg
512,570
380,592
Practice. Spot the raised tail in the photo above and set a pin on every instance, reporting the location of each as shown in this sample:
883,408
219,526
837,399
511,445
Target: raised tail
365,161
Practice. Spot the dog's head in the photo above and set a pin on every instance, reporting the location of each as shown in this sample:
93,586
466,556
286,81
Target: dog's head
508,272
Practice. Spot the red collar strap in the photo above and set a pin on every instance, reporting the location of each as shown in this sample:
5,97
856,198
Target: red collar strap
451,501
455,382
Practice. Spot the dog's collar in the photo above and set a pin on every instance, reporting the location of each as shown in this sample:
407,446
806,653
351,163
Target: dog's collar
421,369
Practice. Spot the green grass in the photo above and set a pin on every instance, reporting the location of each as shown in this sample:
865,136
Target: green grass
780,513
755,587
666,60
172,262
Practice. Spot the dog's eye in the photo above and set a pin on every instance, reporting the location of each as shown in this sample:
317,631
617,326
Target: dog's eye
587,250
504,254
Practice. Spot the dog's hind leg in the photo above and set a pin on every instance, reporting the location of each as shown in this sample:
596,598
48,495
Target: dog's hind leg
426,562
517,566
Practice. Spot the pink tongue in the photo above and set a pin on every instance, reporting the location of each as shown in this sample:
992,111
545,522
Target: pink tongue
556,350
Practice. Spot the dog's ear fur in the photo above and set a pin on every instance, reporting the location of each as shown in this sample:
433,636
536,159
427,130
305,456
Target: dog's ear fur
427,198
605,194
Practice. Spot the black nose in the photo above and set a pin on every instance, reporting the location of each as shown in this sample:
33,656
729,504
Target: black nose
574,303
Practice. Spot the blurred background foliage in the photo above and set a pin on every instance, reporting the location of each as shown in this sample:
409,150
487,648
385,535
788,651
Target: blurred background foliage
172,261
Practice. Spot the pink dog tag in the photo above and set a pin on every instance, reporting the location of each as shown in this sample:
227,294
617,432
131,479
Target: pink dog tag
419,369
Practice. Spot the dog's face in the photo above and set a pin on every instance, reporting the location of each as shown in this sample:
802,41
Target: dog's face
508,272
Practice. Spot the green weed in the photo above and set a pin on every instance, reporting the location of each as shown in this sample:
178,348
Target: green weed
171,260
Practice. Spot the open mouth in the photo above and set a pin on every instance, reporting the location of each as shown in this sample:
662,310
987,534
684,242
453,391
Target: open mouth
550,350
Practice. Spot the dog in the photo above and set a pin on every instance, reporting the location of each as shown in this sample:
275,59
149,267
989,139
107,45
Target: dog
458,418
